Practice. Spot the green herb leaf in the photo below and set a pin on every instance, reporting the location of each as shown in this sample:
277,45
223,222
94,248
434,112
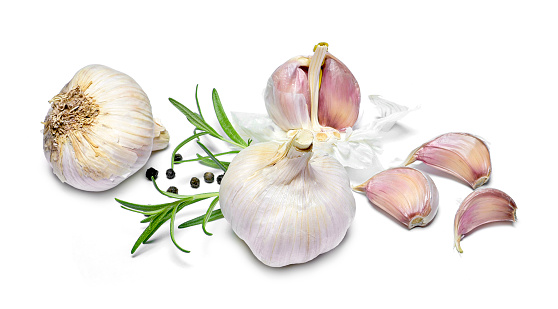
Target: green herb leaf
140,207
195,119
149,231
184,142
198,103
200,158
215,160
215,215
208,162
224,121
169,194
172,231
208,215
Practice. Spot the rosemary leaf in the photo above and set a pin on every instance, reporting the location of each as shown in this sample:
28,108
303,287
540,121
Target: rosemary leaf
172,231
215,215
130,206
198,103
184,142
224,121
195,119
208,215
217,162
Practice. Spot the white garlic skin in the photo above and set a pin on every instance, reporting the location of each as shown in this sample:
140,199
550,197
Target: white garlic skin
116,142
288,206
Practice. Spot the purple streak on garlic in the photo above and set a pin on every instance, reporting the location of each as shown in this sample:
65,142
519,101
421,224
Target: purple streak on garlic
460,154
339,100
287,95
482,206
407,194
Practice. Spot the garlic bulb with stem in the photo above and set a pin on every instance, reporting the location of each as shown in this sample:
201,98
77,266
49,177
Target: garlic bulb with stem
100,130
407,194
286,202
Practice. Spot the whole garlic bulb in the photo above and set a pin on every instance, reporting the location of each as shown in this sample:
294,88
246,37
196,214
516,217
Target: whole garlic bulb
100,130
290,99
286,202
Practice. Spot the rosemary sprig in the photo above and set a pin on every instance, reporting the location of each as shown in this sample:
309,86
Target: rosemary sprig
157,215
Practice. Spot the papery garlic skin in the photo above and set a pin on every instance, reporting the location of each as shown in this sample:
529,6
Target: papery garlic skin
287,203
406,194
99,129
482,206
460,154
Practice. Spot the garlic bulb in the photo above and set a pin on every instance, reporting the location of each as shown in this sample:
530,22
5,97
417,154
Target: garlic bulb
407,194
286,202
317,90
100,130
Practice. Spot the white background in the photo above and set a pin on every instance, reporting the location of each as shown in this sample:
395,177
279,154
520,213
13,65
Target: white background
483,67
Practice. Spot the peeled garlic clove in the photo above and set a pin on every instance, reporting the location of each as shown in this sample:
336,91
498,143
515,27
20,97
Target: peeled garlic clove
407,194
287,203
480,207
339,100
99,129
460,154
287,95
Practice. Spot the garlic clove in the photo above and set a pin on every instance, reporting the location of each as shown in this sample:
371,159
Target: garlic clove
460,154
406,194
99,129
339,99
286,202
287,95
161,136
480,207
313,92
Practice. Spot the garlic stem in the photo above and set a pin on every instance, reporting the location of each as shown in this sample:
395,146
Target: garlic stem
314,78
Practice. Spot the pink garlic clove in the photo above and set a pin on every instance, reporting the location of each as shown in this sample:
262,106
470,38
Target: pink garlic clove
339,99
312,93
405,193
460,154
480,207
287,95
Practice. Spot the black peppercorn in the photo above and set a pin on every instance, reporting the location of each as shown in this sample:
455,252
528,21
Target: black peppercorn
195,182
151,172
219,178
177,157
172,189
170,173
208,177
